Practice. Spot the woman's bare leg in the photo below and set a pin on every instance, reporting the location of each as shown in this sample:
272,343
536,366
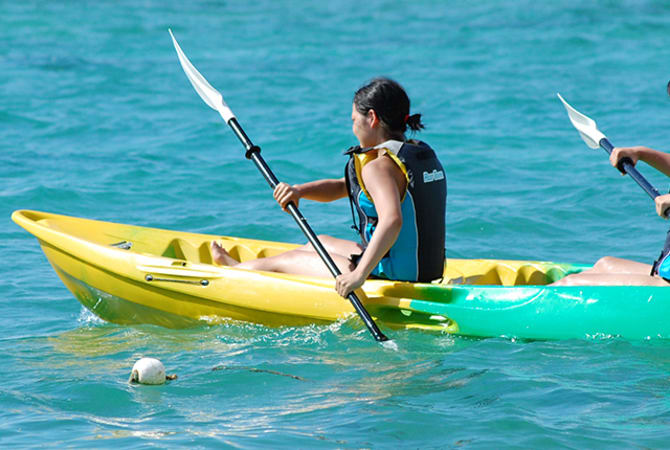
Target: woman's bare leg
221,256
301,261
338,246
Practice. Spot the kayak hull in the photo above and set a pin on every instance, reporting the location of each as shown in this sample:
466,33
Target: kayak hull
128,275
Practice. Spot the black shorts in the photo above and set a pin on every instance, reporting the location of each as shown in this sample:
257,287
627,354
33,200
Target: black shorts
355,259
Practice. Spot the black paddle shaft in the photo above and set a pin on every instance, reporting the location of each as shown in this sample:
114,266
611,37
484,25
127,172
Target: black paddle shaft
254,153
626,166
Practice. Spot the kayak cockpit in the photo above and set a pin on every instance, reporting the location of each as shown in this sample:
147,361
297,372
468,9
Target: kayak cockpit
491,272
194,248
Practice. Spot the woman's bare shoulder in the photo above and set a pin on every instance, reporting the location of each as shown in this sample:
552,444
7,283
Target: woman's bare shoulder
383,168
381,164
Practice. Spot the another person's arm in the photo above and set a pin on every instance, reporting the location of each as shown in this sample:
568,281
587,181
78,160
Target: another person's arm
662,204
658,160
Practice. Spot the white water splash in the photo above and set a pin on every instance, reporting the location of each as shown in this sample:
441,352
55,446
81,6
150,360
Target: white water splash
86,317
390,345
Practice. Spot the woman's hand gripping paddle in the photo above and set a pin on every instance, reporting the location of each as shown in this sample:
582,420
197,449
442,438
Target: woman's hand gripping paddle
214,99
594,138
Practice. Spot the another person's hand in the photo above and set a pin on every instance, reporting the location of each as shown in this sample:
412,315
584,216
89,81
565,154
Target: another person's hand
662,204
348,282
619,153
285,193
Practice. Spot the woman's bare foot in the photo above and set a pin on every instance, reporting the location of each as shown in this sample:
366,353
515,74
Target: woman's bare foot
221,256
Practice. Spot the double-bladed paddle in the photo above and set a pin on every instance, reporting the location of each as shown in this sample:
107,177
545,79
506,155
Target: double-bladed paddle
594,138
214,99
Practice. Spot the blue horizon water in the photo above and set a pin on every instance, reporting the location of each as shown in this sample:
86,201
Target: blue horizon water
99,121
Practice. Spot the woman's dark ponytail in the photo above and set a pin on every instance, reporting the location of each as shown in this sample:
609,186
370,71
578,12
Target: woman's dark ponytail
391,104
414,122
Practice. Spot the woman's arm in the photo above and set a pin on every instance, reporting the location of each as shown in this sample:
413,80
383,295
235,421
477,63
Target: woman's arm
321,190
384,182
658,160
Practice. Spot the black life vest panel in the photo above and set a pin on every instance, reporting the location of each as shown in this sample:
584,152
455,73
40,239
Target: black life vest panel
422,237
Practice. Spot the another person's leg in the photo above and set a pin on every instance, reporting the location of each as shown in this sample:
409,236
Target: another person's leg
613,271
610,279
610,264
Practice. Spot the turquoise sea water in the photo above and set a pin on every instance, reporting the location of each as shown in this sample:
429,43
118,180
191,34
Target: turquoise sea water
98,120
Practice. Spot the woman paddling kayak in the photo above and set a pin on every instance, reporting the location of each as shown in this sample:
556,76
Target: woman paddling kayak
397,189
610,270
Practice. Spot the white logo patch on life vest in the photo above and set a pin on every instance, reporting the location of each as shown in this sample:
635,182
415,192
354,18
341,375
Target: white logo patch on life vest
435,175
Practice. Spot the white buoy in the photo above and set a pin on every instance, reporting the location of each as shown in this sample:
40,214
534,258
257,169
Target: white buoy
148,371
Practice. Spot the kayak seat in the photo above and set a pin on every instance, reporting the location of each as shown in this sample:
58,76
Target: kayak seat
180,249
528,275
244,253
205,253
481,274
505,275
497,273
494,275
240,252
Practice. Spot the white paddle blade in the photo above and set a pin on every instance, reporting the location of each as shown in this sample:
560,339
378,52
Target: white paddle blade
586,126
211,96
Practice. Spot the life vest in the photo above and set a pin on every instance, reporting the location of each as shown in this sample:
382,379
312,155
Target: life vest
661,266
418,253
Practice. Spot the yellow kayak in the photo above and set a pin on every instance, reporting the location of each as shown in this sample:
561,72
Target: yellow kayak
129,274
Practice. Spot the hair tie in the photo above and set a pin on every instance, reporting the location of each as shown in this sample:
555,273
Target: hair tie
406,118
